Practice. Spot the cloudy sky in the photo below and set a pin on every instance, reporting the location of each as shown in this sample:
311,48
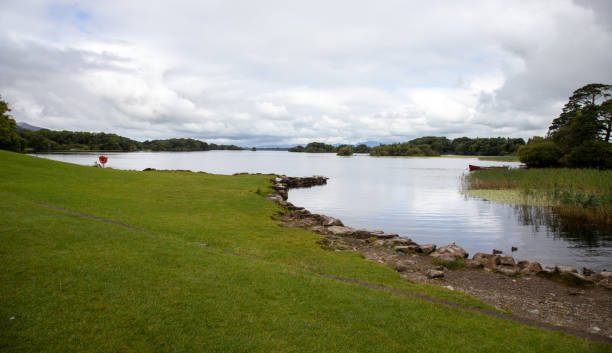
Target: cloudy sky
261,73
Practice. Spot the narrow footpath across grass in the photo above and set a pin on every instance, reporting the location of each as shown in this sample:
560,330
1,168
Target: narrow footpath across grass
70,283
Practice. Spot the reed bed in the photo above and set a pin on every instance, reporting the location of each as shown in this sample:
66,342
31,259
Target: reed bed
580,193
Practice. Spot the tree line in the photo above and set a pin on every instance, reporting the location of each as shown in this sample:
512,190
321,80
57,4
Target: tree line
425,146
45,140
580,136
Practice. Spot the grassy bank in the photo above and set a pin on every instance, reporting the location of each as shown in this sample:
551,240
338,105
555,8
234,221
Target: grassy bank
499,158
584,193
70,283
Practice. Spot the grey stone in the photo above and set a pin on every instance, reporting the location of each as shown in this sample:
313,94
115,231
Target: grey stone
507,261
447,258
401,241
427,248
435,274
531,268
385,235
339,230
330,221
567,269
452,249
407,248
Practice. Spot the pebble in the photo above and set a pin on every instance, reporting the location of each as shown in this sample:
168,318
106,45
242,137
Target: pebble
595,329
534,311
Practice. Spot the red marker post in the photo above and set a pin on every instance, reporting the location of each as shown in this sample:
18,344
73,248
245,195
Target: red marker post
103,160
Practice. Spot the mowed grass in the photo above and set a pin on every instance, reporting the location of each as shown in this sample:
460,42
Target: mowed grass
584,193
74,284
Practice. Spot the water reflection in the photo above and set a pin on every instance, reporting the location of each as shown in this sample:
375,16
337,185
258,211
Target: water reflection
574,230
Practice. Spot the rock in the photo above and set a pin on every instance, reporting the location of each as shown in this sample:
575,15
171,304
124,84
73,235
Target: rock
379,243
531,268
513,249
508,271
275,198
363,234
339,230
318,229
149,169
470,263
406,248
401,242
402,266
606,274
507,261
446,258
567,269
435,274
549,270
534,311
327,221
452,249
495,251
385,235
427,248
488,261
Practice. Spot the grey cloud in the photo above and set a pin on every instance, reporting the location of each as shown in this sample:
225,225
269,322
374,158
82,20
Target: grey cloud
274,72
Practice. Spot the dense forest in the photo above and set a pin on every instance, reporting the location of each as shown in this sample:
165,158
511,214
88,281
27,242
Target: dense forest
580,136
425,146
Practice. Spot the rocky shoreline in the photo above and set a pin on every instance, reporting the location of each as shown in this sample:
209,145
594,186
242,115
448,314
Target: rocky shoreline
559,295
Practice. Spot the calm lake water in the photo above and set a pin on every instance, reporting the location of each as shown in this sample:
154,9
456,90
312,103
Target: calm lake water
415,197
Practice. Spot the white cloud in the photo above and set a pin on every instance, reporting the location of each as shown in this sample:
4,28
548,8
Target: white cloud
273,72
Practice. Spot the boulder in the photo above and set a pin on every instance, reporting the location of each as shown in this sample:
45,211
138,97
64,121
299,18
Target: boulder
435,274
385,235
495,251
567,269
606,274
339,230
487,260
363,234
427,248
328,221
506,261
401,242
452,249
530,268
447,258
406,248
471,263
402,266
379,243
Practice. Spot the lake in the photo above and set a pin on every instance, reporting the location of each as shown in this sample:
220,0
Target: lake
418,198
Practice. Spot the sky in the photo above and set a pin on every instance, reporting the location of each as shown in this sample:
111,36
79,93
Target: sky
272,73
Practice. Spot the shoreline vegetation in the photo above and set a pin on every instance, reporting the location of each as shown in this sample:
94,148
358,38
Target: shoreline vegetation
207,267
428,146
574,193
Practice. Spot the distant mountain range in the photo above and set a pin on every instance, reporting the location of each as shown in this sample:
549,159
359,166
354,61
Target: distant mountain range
25,126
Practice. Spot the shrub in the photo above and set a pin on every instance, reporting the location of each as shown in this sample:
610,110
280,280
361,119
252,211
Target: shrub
345,151
540,154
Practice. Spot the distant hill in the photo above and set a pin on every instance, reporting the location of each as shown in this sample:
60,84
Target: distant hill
25,126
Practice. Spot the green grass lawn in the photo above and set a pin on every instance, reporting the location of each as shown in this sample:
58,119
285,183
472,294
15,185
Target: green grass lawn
70,283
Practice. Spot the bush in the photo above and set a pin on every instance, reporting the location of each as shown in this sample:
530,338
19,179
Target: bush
540,154
345,151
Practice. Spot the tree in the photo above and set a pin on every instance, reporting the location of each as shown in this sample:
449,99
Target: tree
605,118
582,97
345,151
9,138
